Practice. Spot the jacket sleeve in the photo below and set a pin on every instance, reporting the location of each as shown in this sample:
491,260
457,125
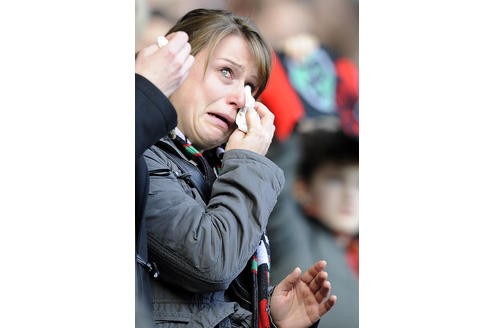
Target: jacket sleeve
203,247
155,116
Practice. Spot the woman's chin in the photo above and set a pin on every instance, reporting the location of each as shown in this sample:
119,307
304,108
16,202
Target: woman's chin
213,140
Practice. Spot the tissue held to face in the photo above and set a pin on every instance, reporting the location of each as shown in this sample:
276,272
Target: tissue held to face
208,101
333,197
240,119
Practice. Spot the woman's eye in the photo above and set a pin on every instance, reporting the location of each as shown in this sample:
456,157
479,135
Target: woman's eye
226,72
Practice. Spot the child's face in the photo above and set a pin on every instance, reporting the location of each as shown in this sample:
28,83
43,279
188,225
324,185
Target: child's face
334,197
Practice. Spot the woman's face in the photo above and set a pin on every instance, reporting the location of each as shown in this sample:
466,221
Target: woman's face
207,102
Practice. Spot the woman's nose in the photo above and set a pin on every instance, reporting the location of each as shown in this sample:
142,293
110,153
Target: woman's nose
236,96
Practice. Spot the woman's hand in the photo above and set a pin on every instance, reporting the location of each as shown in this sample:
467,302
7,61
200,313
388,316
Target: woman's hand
260,131
166,67
300,300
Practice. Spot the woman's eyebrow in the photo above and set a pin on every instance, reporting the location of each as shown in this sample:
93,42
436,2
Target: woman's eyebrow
239,66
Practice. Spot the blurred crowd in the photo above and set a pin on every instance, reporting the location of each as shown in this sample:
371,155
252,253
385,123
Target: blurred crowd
333,22
313,92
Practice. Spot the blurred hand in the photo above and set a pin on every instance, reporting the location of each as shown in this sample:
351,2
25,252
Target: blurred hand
299,300
260,131
166,67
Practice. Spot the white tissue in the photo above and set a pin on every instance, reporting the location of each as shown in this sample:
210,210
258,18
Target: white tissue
162,41
240,119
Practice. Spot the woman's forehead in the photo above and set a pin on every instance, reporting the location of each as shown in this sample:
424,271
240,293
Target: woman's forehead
234,46
235,50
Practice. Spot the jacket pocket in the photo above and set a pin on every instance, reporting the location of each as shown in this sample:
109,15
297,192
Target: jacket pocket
172,320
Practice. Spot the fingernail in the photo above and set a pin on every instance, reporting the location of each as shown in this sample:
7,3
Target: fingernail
162,41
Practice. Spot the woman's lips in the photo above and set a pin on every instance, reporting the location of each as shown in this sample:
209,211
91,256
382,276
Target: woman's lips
222,119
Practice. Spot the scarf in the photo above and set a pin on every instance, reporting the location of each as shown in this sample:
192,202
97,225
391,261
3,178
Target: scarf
260,268
260,260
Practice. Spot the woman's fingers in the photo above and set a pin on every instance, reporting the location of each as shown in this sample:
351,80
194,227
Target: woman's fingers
311,273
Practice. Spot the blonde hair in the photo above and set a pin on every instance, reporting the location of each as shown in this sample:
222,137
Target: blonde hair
207,27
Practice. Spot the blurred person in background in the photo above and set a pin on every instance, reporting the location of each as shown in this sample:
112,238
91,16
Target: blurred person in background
338,26
325,222
212,190
325,80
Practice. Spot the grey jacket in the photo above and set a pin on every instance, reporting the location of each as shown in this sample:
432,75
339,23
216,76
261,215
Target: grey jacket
200,248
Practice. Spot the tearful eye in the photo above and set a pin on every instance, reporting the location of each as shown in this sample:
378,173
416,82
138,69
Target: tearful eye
227,73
